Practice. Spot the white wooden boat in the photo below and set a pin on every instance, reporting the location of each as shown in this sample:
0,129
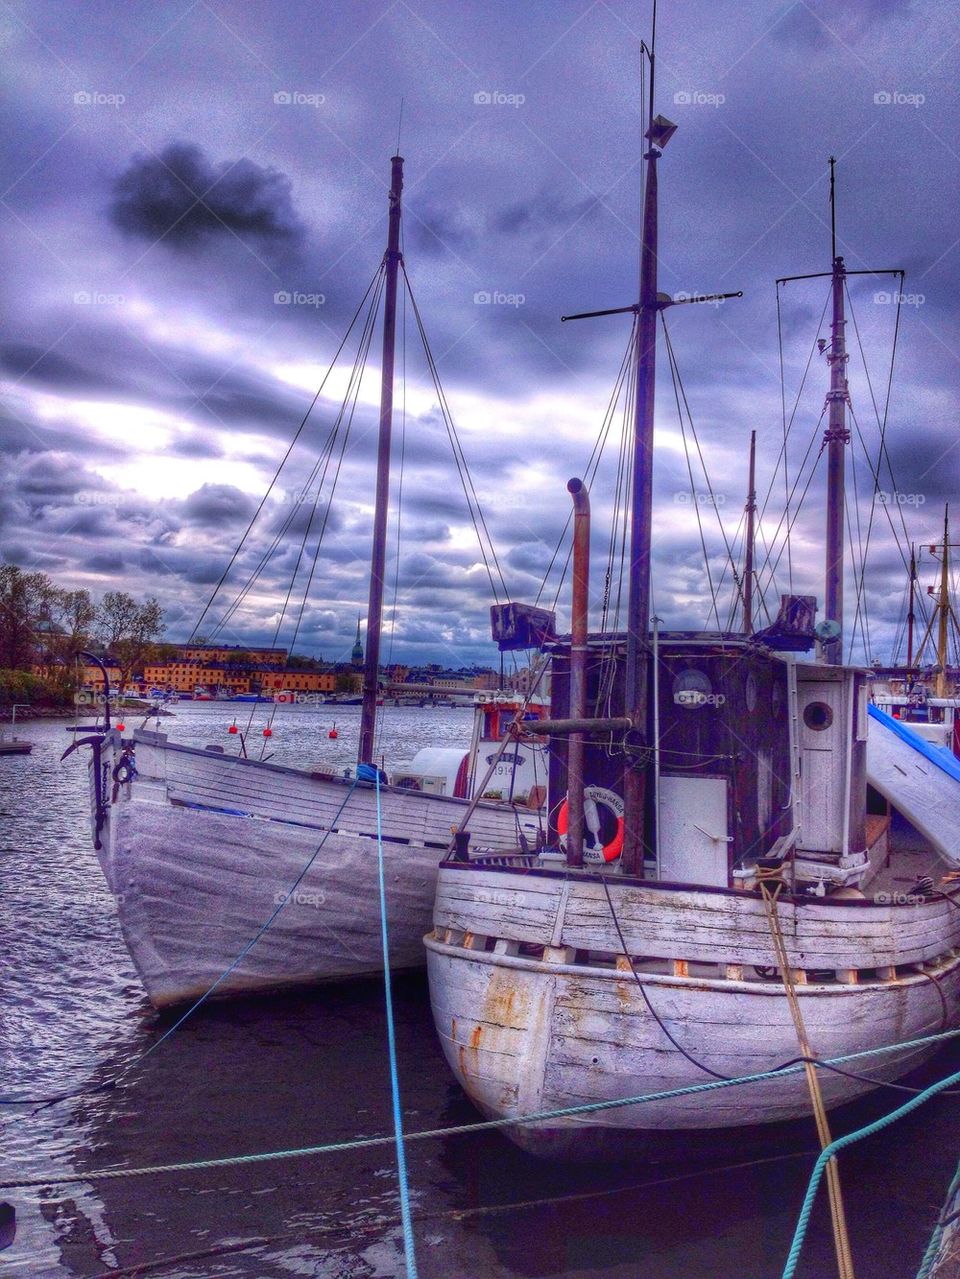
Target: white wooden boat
717,894
200,848
537,1008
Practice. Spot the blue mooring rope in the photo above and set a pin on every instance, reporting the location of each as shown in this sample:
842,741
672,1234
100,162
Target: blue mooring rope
793,1257
405,1215
933,1247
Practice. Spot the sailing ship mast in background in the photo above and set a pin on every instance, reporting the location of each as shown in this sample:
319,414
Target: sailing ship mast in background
371,671
751,513
942,617
836,437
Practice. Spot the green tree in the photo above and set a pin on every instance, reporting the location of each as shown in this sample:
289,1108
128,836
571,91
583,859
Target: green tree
25,604
129,631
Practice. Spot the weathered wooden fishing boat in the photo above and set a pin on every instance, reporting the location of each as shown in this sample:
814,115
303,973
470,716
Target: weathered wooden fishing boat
200,847
718,894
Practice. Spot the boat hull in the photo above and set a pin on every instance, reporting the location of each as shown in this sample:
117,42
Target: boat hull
528,1033
200,850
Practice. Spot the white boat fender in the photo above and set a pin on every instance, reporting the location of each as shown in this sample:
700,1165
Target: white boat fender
595,799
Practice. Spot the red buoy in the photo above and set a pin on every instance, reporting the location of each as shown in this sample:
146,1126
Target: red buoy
121,727
268,732
233,729
333,734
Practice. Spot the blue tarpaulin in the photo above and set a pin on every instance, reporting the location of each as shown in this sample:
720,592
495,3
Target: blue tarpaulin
942,756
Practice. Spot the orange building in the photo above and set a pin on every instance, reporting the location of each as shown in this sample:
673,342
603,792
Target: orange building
298,681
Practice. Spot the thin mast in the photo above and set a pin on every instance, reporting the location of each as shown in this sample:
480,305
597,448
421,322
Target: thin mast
751,515
943,604
836,437
641,505
911,614
371,670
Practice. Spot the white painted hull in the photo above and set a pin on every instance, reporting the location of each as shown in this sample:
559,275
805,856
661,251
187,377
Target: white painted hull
526,1033
200,848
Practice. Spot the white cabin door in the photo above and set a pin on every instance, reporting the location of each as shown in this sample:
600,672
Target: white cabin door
693,830
823,743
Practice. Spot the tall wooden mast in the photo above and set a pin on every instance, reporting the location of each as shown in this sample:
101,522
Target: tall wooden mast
371,670
836,437
637,669
636,679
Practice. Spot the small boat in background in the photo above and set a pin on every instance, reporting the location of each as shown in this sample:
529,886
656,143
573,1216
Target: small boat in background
10,743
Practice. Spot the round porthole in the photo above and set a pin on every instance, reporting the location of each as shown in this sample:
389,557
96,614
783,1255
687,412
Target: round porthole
818,716
692,689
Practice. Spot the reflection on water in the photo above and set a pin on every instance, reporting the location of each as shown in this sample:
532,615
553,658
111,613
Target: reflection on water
310,1068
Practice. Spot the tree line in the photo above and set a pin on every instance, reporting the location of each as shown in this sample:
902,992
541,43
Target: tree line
42,624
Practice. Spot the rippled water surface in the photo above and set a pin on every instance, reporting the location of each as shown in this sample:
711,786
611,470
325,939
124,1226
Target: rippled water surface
311,1068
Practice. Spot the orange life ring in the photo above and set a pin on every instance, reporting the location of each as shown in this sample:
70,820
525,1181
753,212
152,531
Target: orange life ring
612,801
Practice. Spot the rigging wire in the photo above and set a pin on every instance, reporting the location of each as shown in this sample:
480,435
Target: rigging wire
320,464
463,470
693,488
290,447
680,392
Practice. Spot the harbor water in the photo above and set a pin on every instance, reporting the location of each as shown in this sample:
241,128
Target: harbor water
311,1068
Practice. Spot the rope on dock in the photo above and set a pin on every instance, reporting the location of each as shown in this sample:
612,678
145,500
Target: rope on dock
405,1216
487,1125
803,1221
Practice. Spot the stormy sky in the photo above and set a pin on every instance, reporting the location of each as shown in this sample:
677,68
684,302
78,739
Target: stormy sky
195,205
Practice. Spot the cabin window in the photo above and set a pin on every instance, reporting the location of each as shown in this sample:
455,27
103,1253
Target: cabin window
750,692
693,689
818,716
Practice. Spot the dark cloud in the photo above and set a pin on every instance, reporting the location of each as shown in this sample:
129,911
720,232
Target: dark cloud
218,505
184,198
